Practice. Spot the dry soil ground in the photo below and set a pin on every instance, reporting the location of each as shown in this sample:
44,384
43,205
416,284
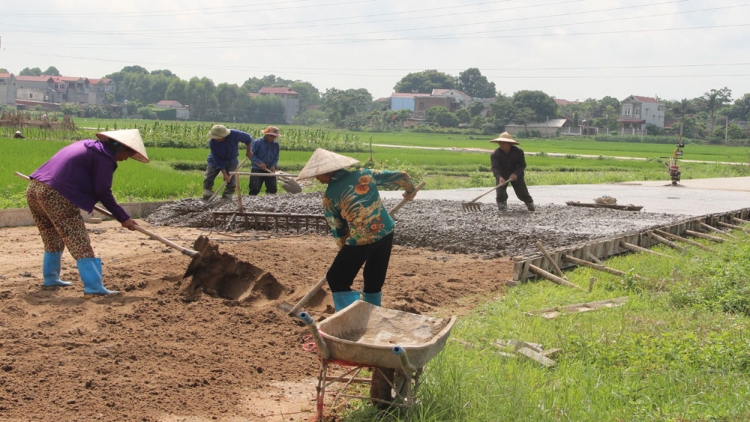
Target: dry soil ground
151,355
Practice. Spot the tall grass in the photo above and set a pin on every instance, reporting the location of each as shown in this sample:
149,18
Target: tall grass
678,350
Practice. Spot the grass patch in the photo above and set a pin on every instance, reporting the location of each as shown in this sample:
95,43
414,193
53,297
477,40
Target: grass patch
678,350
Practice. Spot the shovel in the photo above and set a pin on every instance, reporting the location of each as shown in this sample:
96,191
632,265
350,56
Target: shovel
225,182
194,264
293,310
473,205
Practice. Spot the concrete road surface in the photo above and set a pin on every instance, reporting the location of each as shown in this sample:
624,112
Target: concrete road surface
690,197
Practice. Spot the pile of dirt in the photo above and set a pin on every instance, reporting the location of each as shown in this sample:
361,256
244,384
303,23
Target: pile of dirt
443,225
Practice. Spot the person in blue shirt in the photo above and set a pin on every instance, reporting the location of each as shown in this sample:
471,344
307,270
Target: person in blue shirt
265,159
224,147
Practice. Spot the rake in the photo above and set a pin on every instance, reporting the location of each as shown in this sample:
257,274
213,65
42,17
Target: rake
473,205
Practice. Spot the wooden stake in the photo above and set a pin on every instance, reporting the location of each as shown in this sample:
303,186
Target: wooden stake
705,236
636,248
594,258
737,220
714,229
681,239
553,278
598,267
667,242
551,261
732,226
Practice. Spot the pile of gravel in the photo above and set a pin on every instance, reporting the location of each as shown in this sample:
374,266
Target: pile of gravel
444,225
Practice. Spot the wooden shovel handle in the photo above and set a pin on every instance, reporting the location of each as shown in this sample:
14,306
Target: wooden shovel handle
225,182
186,251
499,185
404,201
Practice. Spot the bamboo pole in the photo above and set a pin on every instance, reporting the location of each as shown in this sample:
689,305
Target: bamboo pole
682,239
738,220
731,226
594,258
714,229
705,236
598,267
635,248
667,242
550,260
553,278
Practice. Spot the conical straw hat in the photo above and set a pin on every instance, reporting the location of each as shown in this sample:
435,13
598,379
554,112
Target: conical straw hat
323,161
131,138
505,137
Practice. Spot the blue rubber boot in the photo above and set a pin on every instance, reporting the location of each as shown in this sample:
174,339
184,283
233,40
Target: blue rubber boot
51,270
90,270
373,298
343,299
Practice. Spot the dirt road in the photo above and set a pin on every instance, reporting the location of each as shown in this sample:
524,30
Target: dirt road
150,355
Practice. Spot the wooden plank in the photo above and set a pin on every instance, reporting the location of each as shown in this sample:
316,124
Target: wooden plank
732,226
682,239
714,229
635,248
704,236
666,242
551,261
553,278
537,357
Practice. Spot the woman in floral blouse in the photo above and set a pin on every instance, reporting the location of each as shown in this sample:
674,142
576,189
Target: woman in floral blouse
361,225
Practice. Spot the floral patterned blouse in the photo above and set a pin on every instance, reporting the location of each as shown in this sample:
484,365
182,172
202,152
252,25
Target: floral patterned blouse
353,207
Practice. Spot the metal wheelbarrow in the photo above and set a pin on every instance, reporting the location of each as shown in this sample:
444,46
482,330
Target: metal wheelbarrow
398,343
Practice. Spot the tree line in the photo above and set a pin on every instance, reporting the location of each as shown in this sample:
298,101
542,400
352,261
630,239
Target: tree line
355,109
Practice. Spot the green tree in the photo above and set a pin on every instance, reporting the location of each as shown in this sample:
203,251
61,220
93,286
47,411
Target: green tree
524,116
463,115
30,72
541,104
201,95
254,84
476,108
339,104
502,111
308,94
226,94
682,108
714,99
740,110
442,116
165,72
472,82
424,82
177,91
3,70
51,71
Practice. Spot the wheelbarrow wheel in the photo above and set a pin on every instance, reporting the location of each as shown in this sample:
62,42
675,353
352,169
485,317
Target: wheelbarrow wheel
381,387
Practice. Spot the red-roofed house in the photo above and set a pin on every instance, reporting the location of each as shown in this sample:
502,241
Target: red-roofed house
40,89
7,89
637,112
99,90
289,98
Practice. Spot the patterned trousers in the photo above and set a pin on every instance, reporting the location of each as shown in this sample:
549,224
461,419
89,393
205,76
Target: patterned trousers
59,221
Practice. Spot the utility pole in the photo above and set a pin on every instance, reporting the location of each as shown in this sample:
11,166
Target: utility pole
726,131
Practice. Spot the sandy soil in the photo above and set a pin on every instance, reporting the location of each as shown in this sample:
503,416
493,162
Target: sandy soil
152,355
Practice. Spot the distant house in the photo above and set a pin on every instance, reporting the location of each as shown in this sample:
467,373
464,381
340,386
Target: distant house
7,89
636,112
99,88
458,99
403,100
181,112
551,127
562,102
289,98
41,89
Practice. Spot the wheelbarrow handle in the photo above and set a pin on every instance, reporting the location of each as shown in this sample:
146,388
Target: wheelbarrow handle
186,251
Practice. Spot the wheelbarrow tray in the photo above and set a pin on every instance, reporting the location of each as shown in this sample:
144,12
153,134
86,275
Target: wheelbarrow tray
365,334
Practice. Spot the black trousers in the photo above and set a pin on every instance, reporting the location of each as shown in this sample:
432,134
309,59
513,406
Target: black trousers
256,182
519,187
374,256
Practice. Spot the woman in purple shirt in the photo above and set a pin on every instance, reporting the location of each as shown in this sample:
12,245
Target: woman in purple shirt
79,176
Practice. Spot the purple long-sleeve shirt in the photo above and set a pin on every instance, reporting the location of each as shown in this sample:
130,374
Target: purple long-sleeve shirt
82,173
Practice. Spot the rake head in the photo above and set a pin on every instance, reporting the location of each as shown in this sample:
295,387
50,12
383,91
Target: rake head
472,206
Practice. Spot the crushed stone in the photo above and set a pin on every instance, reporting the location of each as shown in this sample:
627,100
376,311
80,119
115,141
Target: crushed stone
444,225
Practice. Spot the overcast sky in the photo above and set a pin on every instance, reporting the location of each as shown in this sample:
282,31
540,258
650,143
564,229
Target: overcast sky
571,49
